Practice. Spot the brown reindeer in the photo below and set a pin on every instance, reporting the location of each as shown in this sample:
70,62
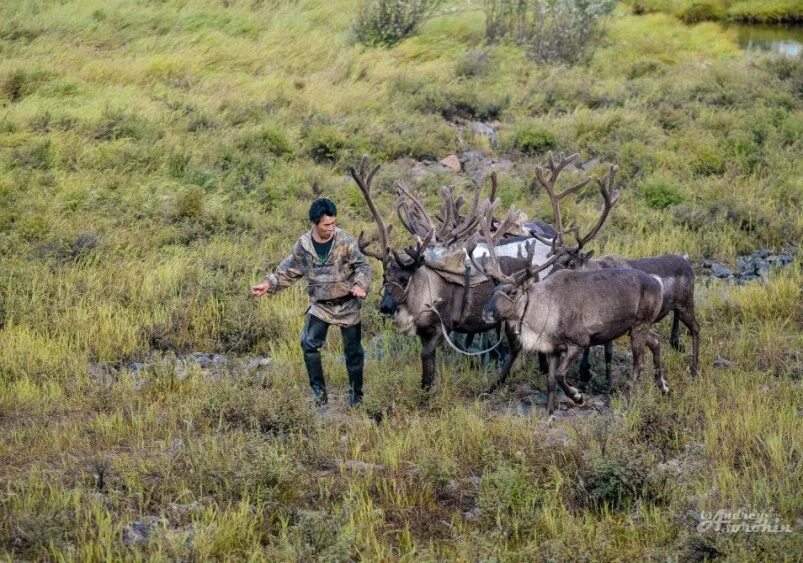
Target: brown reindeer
572,310
420,300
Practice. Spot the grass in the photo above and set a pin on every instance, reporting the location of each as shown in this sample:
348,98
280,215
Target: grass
753,11
157,159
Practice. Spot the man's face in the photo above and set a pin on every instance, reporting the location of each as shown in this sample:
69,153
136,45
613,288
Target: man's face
325,229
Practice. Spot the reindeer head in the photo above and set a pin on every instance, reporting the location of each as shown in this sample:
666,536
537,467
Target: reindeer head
572,260
507,302
400,267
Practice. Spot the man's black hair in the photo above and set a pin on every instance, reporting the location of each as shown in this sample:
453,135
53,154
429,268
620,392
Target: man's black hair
320,207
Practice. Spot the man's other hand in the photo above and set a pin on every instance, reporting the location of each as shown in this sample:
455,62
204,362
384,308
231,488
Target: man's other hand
260,289
357,291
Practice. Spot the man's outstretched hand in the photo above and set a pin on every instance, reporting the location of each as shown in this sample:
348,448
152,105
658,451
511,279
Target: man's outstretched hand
260,289
357,291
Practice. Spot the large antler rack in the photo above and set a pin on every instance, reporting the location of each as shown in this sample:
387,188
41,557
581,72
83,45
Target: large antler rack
555,168
363,179
609,198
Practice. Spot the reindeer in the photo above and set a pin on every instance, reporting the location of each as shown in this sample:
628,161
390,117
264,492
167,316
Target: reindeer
572,310
677,275
420,301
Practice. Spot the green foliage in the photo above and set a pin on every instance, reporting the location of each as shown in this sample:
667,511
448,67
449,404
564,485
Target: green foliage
386,22
325,144
37,155
616,483
534,140
462,101
552,31
117,123
660,192
266,140
18,84
695,12
473,64
190,203
510,499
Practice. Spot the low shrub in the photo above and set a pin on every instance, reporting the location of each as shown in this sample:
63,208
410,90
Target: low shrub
533,140
386,22
552,31
660,192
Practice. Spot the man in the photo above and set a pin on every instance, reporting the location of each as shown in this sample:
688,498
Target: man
338,277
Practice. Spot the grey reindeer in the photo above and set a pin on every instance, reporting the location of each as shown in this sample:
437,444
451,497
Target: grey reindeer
422,302
677,275
571,310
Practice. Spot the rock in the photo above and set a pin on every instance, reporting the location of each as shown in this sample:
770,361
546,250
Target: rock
360,466
452,163
257,363
720,271
467,157
101,374
587,165
472,514
748,278
722,363
219,359
558,437
479,129
137,532
201,359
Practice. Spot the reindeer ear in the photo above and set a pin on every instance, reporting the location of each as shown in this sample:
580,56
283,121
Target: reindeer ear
588,255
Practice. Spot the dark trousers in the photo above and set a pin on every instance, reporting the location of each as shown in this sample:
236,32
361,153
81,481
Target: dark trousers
314,336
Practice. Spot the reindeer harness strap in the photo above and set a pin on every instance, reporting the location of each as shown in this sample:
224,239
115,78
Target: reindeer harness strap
453,345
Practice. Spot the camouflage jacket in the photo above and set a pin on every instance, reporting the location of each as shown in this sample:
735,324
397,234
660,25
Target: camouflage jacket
332,279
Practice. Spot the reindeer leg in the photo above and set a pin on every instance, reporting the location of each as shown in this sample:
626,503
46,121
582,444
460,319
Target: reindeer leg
585,368
543,363
638,337
688,319
515,348
655,347
567,361
674,338
608,359
553,360
429,345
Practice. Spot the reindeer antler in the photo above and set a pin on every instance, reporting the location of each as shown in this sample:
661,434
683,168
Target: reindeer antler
492,269
555,168
363,178
609,197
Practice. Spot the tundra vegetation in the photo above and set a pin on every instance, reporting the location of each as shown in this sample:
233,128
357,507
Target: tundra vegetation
157,158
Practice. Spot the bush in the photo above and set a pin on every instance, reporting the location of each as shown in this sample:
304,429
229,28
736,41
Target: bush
325,144
551,30
119,124
17,84
473,63
386,22
510,499
699,11
660,193
534,140
266,139
190,203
